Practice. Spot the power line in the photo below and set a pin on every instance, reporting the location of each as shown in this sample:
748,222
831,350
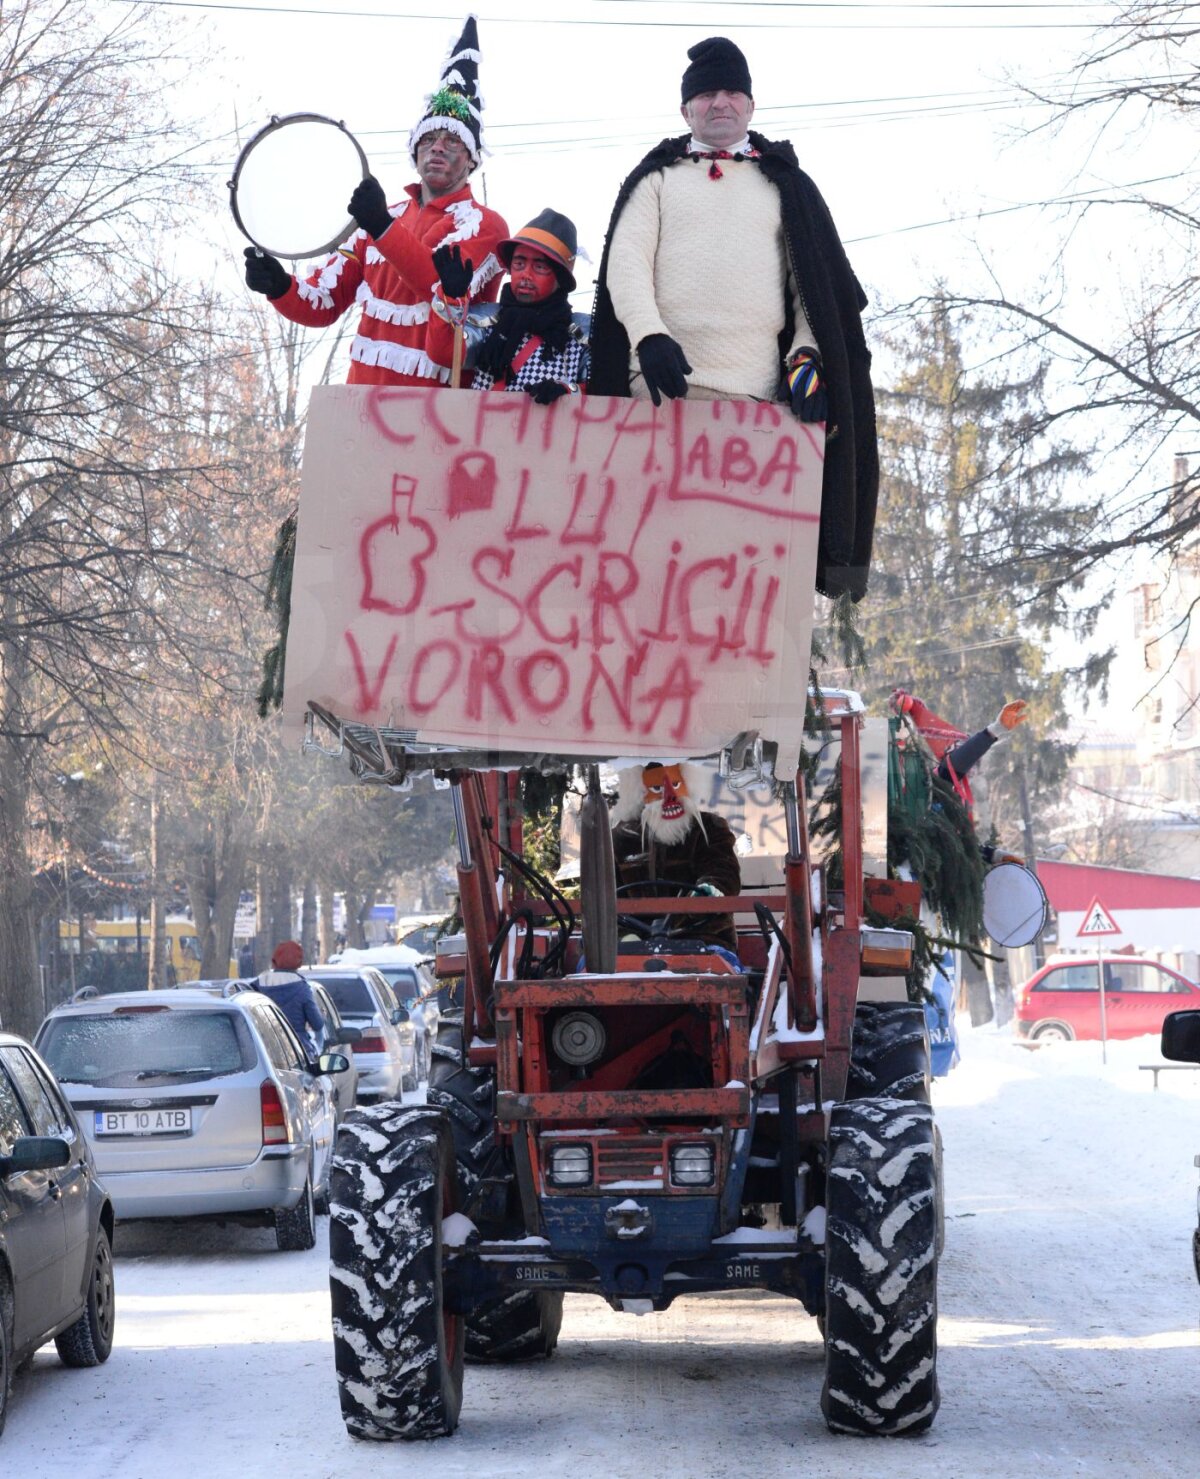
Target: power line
1081,197
542,21
776,110
876,4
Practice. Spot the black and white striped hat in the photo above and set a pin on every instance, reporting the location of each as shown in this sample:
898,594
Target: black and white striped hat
456,105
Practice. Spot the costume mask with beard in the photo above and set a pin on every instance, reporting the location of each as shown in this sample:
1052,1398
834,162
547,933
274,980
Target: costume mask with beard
660,794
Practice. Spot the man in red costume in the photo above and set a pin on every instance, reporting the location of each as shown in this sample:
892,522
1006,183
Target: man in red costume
387,265
955,751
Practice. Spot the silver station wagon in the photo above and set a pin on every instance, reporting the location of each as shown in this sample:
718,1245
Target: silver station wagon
199,1106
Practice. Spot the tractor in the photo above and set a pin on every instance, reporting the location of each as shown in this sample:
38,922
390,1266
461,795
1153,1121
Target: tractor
616,1111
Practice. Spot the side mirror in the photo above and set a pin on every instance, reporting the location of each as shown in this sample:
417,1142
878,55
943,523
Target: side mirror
399,1015
35,1153
1180,1037
332,1063
348,1036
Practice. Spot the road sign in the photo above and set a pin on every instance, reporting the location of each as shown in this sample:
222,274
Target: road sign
1096,922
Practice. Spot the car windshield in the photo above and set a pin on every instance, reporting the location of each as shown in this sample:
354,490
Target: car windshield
350,995
135,1047
401,978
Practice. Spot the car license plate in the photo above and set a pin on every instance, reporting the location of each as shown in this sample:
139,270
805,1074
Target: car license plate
143,1121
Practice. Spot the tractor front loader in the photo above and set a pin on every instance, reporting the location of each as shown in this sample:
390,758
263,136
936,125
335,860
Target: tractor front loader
618,1111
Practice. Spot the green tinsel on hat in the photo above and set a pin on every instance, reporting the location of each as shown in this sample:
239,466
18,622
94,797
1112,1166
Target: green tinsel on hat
449,104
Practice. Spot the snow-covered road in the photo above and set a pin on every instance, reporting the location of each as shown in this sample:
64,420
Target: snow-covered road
1069,1316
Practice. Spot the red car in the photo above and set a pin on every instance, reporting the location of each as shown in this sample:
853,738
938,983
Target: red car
1062,1001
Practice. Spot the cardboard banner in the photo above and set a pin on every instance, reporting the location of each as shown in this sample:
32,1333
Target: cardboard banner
597,577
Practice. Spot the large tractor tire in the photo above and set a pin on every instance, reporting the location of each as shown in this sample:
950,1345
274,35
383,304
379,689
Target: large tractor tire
524,1325
880,1269
889,1053
397,1348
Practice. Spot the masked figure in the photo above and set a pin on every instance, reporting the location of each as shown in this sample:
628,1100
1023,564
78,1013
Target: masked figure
659,832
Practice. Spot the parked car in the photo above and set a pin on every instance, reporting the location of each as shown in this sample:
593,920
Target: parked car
338,1035
1181,1043
386,1053
1062,1000
199,1105
56,1225
415,989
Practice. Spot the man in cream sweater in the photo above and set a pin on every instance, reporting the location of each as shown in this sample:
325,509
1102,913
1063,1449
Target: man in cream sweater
723,277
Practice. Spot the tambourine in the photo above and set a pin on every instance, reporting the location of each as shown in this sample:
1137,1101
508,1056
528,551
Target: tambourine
291,182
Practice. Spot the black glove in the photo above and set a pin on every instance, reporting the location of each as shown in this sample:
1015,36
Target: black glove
545,392
455,274
664,365
265,274
806,386
368,206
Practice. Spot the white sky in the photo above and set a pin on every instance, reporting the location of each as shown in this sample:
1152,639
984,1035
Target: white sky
903,113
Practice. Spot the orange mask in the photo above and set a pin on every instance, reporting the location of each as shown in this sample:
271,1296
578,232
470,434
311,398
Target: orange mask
665,783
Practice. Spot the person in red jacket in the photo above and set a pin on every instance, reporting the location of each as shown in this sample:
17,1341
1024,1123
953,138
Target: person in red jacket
387,265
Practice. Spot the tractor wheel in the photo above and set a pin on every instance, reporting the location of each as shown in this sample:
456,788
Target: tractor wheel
467,1095
880,1269
398,1350
523,1325
889,1054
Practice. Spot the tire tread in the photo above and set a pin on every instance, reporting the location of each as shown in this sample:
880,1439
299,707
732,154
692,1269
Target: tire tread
881,1269
395,1377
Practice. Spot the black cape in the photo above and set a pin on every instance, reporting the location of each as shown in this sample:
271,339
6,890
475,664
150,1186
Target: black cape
833,300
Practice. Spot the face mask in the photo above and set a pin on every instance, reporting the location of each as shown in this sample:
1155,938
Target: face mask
665,783
668,811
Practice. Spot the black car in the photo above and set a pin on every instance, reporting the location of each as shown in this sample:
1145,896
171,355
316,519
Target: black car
1181,1043
56,1225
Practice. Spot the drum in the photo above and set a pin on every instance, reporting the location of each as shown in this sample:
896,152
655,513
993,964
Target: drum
1015,909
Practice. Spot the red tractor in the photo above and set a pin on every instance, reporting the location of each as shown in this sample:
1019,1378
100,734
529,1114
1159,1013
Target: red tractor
651,1124
484,585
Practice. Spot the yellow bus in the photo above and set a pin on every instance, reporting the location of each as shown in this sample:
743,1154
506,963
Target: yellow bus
119,937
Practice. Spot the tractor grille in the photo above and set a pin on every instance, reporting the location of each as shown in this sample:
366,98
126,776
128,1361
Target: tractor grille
630,1158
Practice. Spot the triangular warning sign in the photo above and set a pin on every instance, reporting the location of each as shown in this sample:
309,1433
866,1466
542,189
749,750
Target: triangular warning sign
1097,921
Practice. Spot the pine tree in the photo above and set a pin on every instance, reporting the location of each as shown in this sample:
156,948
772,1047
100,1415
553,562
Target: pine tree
964,610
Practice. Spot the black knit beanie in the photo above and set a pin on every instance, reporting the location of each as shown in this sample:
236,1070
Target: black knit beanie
716,64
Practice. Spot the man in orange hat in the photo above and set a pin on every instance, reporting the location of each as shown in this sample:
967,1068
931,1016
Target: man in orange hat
292,994
530,340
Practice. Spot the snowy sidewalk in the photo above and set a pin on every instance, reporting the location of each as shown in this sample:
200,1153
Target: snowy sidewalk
1068,1323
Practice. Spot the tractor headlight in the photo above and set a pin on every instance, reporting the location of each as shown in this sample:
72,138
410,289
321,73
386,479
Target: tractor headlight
578,1038
693,1165
570,1165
